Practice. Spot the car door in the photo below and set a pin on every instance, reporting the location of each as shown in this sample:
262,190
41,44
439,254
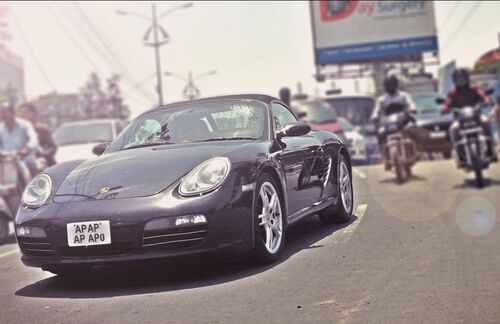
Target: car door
298,155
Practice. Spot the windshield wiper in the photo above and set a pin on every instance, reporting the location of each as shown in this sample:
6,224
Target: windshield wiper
146,145
227,139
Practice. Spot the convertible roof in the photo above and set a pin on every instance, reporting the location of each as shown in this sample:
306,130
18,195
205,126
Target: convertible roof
258,97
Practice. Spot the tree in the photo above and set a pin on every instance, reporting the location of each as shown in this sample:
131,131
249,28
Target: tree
117,108
99,103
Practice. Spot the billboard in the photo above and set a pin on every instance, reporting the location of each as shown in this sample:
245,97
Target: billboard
354,31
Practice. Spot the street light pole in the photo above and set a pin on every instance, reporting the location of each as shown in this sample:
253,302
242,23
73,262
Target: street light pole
155,27
156,45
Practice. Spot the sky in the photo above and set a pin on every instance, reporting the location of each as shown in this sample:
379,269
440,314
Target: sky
256,47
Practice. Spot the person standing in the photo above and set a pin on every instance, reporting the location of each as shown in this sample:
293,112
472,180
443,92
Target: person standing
46,147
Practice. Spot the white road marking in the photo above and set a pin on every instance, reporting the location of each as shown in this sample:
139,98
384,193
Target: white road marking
11,228
346,233
8,253
359,173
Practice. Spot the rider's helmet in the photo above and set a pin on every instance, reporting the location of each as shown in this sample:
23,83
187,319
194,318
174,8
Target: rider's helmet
391,84
461,78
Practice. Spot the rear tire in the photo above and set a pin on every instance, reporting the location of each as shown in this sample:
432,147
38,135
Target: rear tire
342,211
269,221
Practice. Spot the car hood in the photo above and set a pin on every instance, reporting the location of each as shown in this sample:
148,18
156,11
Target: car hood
425,120
137,172
73,152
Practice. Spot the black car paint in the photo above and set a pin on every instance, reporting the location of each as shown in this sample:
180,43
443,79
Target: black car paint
143,190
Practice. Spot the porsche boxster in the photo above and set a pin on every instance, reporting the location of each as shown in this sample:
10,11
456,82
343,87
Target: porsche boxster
217,174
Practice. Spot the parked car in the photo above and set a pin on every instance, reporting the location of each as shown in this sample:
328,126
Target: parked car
357,109
320,115
356,141
432,133
75,140
218,174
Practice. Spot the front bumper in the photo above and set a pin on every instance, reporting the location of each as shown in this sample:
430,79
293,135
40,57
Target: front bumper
229,227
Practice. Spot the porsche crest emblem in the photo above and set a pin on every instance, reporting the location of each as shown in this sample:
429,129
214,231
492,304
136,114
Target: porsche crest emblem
104,190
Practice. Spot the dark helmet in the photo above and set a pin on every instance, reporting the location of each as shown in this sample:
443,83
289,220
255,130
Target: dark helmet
461,78
391,84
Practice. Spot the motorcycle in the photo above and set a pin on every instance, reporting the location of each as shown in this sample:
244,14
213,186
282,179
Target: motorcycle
398,148
14,176
472,142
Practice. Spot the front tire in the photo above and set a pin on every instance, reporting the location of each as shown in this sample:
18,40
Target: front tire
478,171
269,221
342,211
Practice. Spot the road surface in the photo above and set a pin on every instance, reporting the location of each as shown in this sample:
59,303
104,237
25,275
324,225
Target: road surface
423,252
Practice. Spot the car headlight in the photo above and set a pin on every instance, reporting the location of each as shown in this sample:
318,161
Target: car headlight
207,176
37,192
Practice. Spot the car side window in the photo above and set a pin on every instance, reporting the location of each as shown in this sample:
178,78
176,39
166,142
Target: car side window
282,116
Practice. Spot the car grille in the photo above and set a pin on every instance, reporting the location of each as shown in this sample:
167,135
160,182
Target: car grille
115,249
36,247
170,239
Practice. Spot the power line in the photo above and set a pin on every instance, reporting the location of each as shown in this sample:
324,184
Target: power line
32,54
139,84
103,54
450,15
80,49
104,43
463,22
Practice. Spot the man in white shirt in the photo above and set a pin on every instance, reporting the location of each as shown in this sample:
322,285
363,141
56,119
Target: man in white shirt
18,136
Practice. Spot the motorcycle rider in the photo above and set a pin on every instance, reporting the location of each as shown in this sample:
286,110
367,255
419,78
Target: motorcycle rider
391,96
466,95
47,148
18,136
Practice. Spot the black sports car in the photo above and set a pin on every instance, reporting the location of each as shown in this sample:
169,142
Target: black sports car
226,173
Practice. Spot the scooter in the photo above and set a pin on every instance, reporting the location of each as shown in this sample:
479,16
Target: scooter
399,149
14,176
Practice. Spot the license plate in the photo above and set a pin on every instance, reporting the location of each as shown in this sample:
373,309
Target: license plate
88,233
438,135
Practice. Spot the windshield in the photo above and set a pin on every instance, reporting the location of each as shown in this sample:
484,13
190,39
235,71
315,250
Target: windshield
356,110
426,104
83,133
199,122
318,112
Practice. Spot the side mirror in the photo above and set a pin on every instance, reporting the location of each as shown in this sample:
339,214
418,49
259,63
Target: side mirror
298,129
440,101
98,149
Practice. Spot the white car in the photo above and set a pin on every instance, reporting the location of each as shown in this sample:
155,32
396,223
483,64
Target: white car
75,140
356,141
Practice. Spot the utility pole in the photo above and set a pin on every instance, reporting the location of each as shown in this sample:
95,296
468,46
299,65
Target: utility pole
191,90
156,28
